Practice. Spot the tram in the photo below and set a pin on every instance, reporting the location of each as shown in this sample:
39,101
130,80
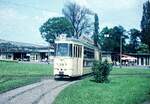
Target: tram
74,57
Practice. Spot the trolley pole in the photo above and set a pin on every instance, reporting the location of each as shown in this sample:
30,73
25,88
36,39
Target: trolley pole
120,51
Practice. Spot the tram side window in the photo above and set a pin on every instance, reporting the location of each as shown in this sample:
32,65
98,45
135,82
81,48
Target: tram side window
88,57
88,53
70,50
80,51
74,51
55,46
87,63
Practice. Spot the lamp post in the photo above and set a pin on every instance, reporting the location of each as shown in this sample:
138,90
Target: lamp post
121,45
106,36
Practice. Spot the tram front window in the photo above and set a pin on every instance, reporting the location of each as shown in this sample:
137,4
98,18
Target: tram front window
62,49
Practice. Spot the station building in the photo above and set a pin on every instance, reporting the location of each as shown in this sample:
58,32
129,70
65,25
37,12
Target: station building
10,50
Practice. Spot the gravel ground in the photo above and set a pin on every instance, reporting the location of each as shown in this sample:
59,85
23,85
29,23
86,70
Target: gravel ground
43,92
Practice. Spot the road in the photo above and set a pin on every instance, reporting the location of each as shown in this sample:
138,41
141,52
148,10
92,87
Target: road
43,92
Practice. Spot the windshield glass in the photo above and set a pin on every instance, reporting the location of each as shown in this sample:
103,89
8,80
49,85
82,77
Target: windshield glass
62,49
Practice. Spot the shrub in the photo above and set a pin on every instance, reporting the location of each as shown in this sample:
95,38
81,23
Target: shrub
101,71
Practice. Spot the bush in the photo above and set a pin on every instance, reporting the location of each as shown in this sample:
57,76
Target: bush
101,71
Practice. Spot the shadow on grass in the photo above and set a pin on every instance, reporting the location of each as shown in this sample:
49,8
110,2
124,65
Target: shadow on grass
63,78
107,81
67,79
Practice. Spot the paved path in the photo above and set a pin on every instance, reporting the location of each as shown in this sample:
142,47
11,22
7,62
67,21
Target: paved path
147,102
43,92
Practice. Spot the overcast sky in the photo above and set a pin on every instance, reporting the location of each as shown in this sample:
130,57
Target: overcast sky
20,19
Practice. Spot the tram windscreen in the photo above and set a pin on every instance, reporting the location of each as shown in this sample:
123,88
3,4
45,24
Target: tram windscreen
62,49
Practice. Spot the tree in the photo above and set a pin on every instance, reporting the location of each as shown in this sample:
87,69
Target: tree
134,41
96,28
54,27
110,38
145,24
79,18
143,48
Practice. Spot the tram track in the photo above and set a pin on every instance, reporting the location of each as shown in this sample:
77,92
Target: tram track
40,93
49,91
12,97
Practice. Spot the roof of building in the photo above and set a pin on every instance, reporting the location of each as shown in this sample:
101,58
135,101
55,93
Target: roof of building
139,54
20,44
12,46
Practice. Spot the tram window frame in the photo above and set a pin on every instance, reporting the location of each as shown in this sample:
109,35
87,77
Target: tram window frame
77,51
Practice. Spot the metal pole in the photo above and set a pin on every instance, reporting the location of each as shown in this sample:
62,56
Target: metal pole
120,51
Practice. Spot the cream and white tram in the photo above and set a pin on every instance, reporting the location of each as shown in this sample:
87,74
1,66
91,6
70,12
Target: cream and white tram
74,57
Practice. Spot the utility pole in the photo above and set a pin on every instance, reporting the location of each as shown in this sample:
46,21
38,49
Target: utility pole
120,51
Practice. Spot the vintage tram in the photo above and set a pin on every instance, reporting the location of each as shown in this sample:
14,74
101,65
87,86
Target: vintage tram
74,57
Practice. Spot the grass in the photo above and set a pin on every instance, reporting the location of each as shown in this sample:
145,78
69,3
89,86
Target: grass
120,90
129,70
13,75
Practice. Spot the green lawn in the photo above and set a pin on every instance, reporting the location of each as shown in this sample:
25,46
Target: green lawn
120,90
13,75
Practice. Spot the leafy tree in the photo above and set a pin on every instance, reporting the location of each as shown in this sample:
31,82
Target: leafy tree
134,41
96,28
143,48
110,38
54,27
79,18
145,24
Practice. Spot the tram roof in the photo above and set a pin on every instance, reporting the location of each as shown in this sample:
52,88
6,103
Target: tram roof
75,41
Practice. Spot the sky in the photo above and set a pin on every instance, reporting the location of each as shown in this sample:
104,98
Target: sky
20,20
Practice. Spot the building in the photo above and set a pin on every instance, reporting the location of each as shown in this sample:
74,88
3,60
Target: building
143,59
10,50
106,56
138,59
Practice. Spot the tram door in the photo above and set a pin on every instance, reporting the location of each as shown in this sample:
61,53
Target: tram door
77,60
